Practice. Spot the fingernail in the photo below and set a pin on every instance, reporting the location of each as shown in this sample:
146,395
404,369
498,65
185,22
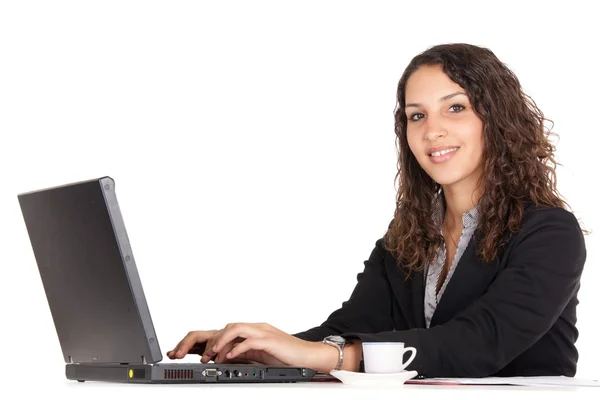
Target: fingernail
179,353
229,355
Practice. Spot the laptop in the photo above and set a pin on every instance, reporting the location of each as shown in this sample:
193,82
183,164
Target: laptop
96,297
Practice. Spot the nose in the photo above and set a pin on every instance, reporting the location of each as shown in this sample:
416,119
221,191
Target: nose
434,129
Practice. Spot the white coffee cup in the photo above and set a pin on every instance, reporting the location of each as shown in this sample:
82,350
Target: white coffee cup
386,357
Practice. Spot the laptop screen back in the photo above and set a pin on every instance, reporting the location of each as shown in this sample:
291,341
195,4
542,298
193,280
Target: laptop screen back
89,275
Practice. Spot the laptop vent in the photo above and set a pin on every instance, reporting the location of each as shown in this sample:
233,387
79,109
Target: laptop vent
179,374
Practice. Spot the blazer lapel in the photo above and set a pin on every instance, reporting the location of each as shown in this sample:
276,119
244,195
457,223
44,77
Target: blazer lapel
418,297
408,292
469,282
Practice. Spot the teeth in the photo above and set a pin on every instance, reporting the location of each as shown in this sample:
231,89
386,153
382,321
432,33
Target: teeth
441,153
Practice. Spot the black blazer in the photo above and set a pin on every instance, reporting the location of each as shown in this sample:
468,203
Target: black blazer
513,317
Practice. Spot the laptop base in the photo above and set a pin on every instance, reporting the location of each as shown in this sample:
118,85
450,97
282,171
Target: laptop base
188,373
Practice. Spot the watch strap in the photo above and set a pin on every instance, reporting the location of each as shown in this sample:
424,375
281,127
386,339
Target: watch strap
340,349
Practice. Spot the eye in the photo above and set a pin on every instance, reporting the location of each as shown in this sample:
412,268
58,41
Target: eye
416,116
457,108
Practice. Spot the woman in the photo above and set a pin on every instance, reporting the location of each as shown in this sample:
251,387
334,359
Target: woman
481,265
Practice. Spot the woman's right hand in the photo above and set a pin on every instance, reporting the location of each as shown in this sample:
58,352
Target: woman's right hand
202,343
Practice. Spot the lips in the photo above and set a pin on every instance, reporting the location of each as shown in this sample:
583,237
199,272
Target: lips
439,149
440,155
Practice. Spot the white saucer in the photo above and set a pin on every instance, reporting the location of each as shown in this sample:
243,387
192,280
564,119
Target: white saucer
364,379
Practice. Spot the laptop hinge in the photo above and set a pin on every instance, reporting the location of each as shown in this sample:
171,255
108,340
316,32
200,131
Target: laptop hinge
70,361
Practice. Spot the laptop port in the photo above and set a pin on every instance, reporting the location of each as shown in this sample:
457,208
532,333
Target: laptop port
210,372
227,373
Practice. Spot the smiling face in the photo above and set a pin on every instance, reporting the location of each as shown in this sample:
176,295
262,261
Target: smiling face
443,131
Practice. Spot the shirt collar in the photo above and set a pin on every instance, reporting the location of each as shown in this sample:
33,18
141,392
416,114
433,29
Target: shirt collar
469,219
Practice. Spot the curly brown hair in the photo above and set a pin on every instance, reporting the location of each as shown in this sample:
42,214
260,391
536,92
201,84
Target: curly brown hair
518,158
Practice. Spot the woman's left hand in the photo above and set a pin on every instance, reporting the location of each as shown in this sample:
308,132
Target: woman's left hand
263,342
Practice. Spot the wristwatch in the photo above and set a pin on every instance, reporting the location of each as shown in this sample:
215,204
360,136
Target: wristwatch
338,342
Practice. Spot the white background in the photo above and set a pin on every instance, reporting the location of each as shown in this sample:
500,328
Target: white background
252,143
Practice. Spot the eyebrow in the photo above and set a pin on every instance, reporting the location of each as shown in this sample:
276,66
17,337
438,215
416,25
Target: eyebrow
446,97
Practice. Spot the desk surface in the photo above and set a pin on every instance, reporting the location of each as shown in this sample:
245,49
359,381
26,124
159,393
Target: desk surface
33,380
312,391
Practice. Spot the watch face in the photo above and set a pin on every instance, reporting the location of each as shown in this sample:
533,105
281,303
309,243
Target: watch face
336,339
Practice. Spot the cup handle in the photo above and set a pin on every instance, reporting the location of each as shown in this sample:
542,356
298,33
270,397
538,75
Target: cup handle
412,357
